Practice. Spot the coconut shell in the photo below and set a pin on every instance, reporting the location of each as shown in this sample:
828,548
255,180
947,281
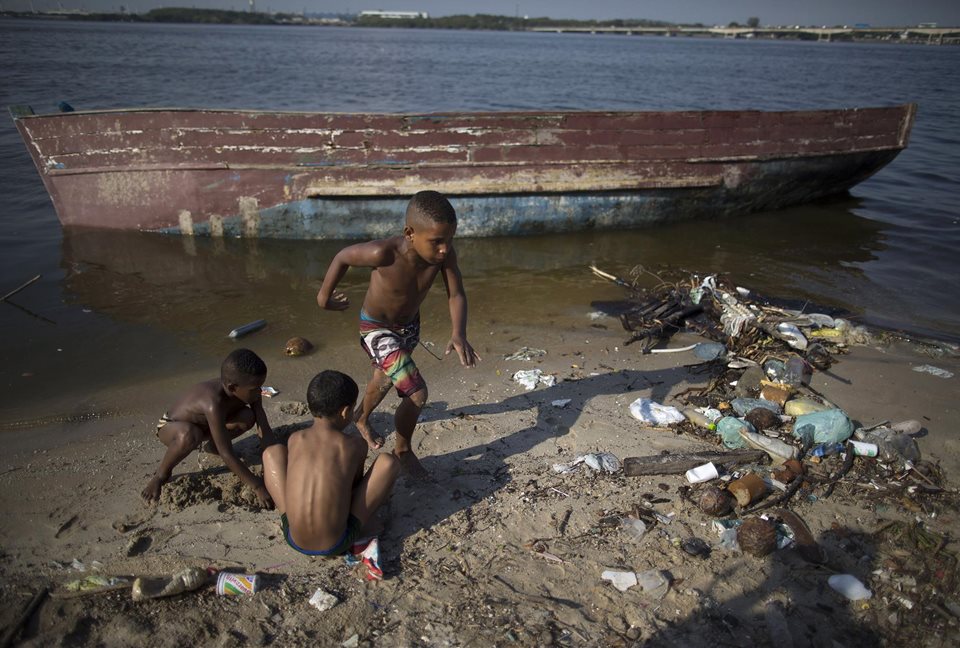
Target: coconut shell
762,419
298,346
788,471
757,536
715,501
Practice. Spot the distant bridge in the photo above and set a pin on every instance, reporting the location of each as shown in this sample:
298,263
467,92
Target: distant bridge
934,35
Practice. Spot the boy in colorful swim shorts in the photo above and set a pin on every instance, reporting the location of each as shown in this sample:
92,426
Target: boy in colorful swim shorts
317,479
404,269
212,414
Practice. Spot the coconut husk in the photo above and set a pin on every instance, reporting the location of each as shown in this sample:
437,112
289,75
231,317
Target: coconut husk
757,536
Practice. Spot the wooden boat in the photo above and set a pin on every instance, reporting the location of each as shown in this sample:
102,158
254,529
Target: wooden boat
331,175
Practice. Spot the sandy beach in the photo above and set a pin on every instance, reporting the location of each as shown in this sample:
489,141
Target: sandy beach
498,549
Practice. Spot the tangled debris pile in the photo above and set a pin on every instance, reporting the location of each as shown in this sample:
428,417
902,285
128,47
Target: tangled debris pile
761,359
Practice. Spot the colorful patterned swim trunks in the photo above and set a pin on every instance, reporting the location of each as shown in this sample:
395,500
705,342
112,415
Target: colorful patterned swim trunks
390,347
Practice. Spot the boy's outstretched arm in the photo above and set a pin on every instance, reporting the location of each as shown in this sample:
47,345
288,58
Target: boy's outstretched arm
224,444
457,300
370,255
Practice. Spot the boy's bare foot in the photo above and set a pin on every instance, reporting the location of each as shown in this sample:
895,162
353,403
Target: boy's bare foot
374,440
412,467
152,492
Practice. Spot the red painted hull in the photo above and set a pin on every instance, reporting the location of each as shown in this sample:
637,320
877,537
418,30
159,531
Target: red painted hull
322,175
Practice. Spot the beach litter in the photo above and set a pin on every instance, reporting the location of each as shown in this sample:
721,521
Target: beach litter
622,580
186,580
934,371
596,461
529,378
647,411
246,329
806,449
298,346
367,553
323,600
849,586
526,353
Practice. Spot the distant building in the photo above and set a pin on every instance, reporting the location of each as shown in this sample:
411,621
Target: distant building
927,25
395,15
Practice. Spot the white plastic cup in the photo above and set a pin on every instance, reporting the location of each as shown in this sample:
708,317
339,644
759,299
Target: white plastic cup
703,473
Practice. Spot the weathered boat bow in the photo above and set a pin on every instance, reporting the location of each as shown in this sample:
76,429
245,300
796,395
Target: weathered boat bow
331,175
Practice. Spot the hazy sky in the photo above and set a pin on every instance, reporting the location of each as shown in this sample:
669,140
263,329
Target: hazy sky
804,12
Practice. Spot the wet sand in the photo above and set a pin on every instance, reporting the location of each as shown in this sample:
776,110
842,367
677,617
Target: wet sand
499,549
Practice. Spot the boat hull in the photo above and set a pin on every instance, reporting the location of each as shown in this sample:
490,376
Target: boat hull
302,175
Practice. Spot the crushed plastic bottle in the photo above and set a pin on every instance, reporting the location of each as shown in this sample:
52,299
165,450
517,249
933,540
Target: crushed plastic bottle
774,369
796,372
892,446
633,528
826,449
654,583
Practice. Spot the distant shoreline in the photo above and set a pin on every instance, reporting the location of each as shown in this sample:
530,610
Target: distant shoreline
923,34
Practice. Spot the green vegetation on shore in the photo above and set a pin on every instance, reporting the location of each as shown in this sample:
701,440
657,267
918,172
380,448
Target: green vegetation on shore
227,17
497,23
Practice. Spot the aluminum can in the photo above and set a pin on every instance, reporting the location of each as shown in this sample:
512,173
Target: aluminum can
229,584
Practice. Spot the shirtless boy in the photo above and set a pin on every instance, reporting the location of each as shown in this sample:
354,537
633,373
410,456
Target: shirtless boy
216,412
317,479
404,268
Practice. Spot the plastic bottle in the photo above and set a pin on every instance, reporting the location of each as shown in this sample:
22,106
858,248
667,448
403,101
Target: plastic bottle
702,419
826,449
633,528
795,372
891,446
778,450
240,331
186,580
654,583
774,369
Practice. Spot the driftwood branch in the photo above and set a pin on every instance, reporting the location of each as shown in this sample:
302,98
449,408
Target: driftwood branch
23,618
674,464
672,321
19,288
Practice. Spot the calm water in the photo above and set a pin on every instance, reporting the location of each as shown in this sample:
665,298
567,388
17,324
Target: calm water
112,308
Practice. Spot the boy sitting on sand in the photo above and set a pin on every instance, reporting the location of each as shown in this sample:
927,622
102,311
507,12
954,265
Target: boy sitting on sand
216,412
317,479
404,269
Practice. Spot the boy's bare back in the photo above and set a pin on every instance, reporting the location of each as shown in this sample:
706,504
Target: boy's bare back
323,466
204,400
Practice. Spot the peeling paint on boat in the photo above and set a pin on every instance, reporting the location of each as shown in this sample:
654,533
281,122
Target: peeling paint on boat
330,175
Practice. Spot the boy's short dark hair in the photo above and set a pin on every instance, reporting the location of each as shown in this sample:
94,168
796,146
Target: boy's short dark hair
432,206
242,367
330,391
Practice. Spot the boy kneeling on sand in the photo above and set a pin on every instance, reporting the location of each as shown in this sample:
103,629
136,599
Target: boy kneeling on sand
212,414
317,480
